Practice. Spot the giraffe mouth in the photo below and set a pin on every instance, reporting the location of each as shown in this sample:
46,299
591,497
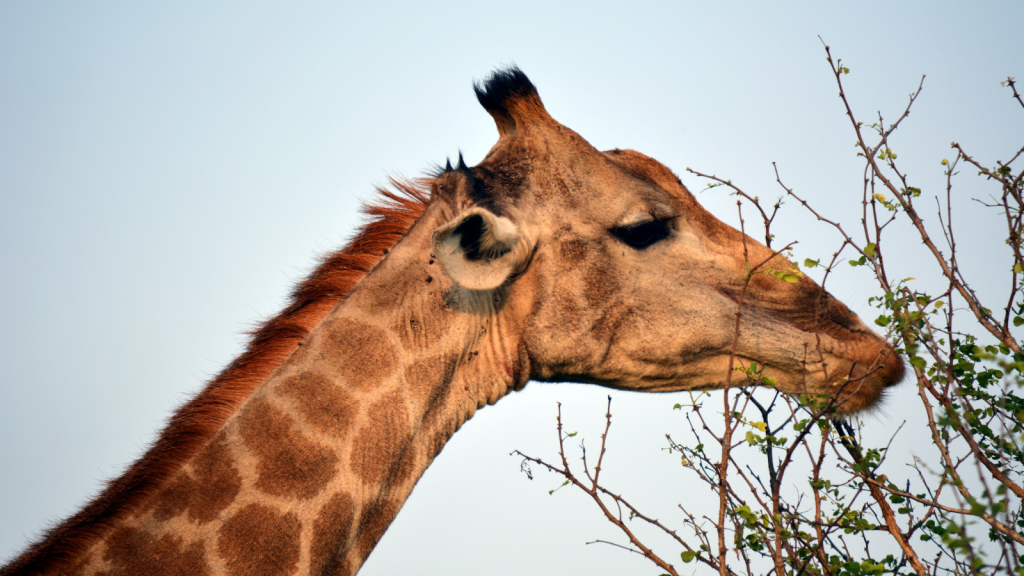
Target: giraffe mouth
856,372
840,359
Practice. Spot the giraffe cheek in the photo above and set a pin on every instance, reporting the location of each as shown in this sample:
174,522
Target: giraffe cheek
601,284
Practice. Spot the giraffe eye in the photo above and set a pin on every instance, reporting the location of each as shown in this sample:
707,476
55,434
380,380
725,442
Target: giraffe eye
643,234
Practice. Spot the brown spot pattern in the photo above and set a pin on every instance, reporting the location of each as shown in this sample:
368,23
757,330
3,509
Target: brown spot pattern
204,493
600,283
573,252
391,215
257,541
325,405
611,322
439,437
429,380
570,315
380,444
331,531
79,568
132,552
384,298
289,463
403,470
373,523
364,353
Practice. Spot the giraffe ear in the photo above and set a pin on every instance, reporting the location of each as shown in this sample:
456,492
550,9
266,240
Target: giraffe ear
479,250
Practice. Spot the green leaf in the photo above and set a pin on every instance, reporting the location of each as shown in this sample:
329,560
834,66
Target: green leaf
870,249
751,437
945,162
918,362
791,278
1018,268
560,486
688,556
1017,321
808,263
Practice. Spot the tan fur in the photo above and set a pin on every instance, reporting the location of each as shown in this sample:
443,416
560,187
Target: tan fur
349,395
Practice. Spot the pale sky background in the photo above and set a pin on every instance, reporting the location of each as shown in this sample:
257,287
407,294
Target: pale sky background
168,172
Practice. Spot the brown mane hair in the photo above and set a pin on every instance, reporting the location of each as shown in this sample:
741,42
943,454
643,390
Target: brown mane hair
193,424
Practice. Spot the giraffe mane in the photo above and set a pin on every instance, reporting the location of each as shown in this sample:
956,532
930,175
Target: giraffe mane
391,215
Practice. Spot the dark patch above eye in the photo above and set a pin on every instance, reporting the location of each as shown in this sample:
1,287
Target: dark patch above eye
643,234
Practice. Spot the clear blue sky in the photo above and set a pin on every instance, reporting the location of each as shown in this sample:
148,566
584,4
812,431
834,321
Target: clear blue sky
167,172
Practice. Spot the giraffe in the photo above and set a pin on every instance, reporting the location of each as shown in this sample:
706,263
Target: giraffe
549,260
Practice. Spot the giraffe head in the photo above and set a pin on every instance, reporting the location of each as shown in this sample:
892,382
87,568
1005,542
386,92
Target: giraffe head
618,276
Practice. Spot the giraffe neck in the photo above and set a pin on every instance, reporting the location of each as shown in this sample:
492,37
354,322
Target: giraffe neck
310,471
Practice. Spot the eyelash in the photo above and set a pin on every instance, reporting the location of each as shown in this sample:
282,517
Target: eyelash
640,236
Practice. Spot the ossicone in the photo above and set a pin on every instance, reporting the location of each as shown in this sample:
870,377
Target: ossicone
510,98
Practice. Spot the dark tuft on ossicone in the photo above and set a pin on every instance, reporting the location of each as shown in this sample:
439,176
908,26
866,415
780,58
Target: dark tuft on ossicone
436,170
502,86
